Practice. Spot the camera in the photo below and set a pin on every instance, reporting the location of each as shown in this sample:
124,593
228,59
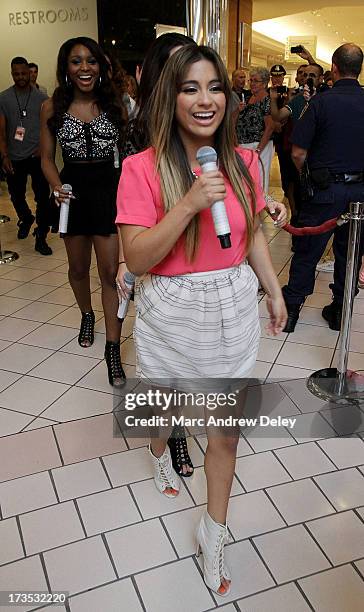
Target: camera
310,85
282,89
297,49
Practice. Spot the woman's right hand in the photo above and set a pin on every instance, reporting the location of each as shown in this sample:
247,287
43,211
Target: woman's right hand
206,190
60,195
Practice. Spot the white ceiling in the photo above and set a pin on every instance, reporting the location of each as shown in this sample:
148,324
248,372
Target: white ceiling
332,24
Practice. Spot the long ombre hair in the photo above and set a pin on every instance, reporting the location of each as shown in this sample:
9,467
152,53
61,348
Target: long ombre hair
171,160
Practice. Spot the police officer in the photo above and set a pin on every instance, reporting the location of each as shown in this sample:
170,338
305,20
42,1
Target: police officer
330,138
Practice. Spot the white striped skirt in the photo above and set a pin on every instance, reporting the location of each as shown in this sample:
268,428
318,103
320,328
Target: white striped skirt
200,325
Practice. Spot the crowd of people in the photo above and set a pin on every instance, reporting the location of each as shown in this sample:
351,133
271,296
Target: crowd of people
138,196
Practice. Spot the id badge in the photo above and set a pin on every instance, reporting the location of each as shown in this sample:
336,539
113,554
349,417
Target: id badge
19,133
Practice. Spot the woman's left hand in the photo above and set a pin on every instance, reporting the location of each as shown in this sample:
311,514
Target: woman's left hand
277,314
278,208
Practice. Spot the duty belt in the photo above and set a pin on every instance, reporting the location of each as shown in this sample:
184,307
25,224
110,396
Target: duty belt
347,177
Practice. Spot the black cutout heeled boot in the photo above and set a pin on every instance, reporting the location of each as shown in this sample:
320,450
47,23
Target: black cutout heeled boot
115,370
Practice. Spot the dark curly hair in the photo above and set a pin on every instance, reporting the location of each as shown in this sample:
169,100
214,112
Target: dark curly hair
107,97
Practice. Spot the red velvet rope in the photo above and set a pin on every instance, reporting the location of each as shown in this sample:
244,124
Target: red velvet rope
311,231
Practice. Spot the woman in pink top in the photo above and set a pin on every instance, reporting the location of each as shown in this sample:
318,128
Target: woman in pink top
197,315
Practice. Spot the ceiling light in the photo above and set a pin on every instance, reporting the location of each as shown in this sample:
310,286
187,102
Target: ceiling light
113,42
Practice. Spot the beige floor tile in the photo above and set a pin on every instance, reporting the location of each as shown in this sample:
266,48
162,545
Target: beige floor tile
281,599
23,274
312,316
97,379
31,395
360,566
260,440
7,286
12,422
80,479
88,438
71,317
11,547
50,527
25,494
49,336
260,471
260,371
345,420
79,403
10,305
252,514
304,460
357,341
108,598
27,453
314,335
7,379
14,329
280,552
280,373
345,489
53,279
20,358
79,566
96,350
182,527
269,349
269,400
302,397
108,510
299,501
130,466
151,503
196,484
30,291
4,344
304,356
355,360
357,323
340,536
310,427
335,591
62,367
152,587
128,352
37,423
62,295
39,311
147,546
344,452
28,572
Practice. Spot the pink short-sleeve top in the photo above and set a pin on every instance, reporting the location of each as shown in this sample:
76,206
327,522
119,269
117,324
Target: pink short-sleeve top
139,202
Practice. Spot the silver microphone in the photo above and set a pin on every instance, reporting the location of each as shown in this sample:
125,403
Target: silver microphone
207,158
129,280
65,208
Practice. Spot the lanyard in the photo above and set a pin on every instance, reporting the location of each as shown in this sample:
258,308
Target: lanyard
23,111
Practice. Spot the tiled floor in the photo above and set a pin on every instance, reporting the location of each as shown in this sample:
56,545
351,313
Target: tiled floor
79,511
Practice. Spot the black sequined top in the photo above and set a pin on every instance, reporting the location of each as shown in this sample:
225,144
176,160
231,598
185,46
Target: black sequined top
92,141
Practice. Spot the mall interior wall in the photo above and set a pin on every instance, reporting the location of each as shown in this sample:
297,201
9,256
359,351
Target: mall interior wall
35,29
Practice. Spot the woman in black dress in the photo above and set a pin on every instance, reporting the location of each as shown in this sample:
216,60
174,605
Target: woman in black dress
87,118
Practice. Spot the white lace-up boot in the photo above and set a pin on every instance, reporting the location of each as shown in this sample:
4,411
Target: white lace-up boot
165,478
211,538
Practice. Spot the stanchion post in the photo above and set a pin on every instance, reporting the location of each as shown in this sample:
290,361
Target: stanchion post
356,210
333,384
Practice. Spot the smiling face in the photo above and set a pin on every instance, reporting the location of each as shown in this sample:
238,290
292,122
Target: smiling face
200,104
257,84
82,68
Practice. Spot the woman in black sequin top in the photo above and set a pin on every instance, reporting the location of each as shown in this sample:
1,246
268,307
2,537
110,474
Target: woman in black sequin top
88,119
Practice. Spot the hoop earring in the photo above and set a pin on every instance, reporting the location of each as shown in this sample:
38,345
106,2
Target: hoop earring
68,81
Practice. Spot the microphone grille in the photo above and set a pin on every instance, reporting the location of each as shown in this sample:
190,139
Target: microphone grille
129,278
206,155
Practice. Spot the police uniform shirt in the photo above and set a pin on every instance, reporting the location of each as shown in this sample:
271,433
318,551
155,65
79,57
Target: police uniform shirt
332,128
